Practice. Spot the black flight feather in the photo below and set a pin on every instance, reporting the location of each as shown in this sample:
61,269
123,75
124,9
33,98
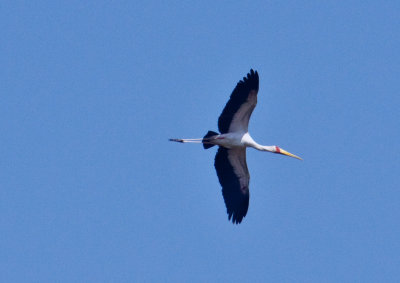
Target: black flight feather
236,198
237,98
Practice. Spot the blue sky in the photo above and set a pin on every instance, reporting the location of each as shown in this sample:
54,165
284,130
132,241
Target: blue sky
91,190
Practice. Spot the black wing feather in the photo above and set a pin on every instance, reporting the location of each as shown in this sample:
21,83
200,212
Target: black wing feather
236,197
238,97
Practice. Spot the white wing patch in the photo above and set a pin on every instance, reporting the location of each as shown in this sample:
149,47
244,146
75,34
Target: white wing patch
237,158
240,121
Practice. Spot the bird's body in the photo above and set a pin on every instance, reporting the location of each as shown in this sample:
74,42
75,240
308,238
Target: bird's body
230,160
235,139
230,140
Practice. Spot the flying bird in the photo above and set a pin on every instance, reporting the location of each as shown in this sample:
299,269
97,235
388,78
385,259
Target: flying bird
233,139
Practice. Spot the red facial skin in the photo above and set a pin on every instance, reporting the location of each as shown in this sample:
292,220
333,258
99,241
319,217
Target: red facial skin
277,149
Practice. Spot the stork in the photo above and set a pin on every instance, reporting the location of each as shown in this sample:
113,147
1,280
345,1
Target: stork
233,139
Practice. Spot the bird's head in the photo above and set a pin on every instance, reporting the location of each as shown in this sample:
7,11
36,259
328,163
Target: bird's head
279,150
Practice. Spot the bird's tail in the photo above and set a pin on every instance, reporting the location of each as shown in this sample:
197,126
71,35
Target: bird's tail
206,138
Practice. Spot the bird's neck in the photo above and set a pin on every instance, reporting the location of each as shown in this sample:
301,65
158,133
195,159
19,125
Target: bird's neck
270,148
252,143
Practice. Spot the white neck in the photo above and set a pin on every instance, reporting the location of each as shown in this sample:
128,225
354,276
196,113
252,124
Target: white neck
248,141
270,148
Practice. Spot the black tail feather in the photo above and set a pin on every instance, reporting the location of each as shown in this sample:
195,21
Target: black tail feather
209,134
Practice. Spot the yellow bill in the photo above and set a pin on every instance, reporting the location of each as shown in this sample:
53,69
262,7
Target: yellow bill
282,151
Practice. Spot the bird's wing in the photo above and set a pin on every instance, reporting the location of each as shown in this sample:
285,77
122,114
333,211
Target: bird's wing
236,114
234,178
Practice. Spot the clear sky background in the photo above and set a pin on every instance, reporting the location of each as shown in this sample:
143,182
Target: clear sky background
91,189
